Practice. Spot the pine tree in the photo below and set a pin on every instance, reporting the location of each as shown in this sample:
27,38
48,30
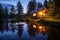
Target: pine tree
1,11
19,8
31,6
12,9
51,10
6,12
50,0
39,5
46,4
12,12
19,11
57,5
1,17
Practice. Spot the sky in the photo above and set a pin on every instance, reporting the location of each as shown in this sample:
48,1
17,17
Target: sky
23,2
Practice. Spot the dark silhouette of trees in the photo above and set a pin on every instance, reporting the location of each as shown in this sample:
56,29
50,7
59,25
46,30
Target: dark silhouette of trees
6,12
1,11
6,27
31,30
39,5
31,6
19,8
54,9
51,6
57,7
20,30
49,0
12,12
1,18
45,4
13,28
19,11
12,9
5,18
57,3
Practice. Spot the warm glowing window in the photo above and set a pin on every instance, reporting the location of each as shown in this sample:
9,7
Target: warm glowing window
40,27
34,26
44,10
40,13
34,14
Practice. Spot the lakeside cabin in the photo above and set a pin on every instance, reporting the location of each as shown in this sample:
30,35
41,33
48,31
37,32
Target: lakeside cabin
39,13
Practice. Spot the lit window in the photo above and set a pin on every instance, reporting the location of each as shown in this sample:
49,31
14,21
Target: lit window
44,10
40,27
40,13
34,14
34,26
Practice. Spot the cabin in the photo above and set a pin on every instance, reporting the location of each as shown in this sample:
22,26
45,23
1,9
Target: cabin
33,14
39,13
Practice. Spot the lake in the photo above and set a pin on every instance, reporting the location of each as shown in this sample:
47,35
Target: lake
28,31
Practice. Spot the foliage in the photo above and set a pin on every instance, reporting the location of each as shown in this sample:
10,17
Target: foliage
19,11
12,13
1,11
46,4
57,5
12,9
51,11
54,8
19,8
6,12
39,5
31,6
1,17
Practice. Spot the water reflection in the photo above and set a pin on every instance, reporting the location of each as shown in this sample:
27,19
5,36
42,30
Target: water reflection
6,26
23,31
42,29
1,25
31,30
54,33
39,28
12,28
20,29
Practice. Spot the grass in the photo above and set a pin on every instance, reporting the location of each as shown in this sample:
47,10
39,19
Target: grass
52,20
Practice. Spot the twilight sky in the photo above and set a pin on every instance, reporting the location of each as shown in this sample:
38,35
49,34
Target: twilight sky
23,2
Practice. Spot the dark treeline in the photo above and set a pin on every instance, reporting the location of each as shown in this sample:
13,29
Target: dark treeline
54,8
1,17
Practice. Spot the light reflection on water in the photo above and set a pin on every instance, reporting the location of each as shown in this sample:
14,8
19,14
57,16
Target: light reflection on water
23,31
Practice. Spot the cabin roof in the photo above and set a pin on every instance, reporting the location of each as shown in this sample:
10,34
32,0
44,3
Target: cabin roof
36,10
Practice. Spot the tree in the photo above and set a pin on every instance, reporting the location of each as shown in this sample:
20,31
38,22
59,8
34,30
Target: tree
12,12
39,5
1,11
6,12
19,8
19,11
1,17
50,0
12,9
57,3
46,4
54,8
51,11
31,6
57,7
